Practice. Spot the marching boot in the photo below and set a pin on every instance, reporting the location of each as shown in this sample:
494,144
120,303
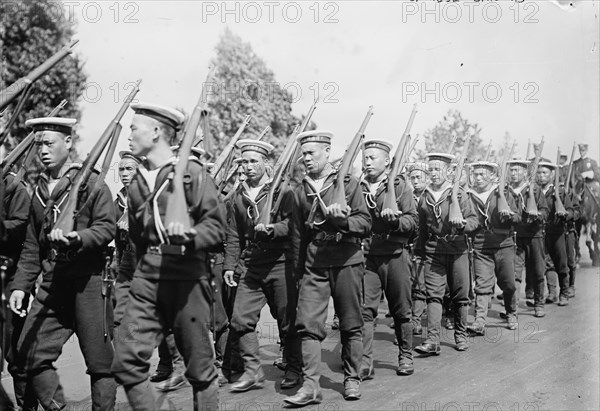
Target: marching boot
366,367
310,393
104,392
352,354
48,390
404,335
253,376
141,396
461,312
206,398
481,311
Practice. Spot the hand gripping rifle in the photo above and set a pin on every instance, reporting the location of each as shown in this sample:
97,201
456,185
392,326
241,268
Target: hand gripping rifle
531,207
339,193
14,90
503,207
400,158
67,217
177,207
283,165
559,207
455,214
108,283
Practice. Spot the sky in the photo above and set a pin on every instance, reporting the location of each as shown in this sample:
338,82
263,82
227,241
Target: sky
527,68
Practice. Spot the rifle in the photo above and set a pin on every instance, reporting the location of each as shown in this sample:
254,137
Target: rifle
389,199
108,282
528,149
452,143
531,207
10,93
559,207
281,167
339,194
289,167
26,146
177,207
224,156
455,214
66,219
503,206
488,152
570,169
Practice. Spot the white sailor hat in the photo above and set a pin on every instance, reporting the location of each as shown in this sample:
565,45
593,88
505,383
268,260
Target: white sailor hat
315,136
544,162
62,125
128,154
197,151
261,147
484,164
380,144
518,162
166,115
417,166
443,157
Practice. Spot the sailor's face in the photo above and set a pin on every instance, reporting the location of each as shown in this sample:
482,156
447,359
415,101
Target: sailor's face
375,161
253,164
419,180
315,156
517,174
127,167
437,172
482,179
144,134
543,175
54,149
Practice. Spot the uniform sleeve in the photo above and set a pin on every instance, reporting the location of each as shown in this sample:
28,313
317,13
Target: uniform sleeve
232,241
17,213
514,205
359,220
209,216
281,229
135,226
407,222
542,205
469,213
29,266
423,232
300,235
103,224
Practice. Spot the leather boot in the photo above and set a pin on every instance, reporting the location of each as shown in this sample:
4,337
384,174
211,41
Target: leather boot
104,392
141,396
311,362
366,366
206,398
404,335
434,322
48,390
352,353
481,312
460,326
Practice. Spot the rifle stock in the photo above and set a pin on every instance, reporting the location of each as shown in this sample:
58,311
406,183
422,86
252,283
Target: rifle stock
570,169
67,217
502,203
400,157
281,169
177,207
531,207
339,193
455,213
14,90
559,207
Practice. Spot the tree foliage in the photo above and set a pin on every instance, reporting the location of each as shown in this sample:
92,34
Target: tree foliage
30,33
245,85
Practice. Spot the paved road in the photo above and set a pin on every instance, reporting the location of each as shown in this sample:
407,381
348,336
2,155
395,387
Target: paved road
548,363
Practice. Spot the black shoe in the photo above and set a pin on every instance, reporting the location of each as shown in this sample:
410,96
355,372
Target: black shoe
462,346
175,382
551,299
367,374
351,390
428,349
247,385
405,367
160,375
529,304
290,381
302,398
280,363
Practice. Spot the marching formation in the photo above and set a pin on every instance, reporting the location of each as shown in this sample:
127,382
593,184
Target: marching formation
188,254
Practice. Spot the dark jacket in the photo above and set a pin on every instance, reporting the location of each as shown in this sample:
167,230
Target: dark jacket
526,228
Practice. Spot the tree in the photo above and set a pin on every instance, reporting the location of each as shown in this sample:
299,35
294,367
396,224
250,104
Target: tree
245,85
453,126
30,33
